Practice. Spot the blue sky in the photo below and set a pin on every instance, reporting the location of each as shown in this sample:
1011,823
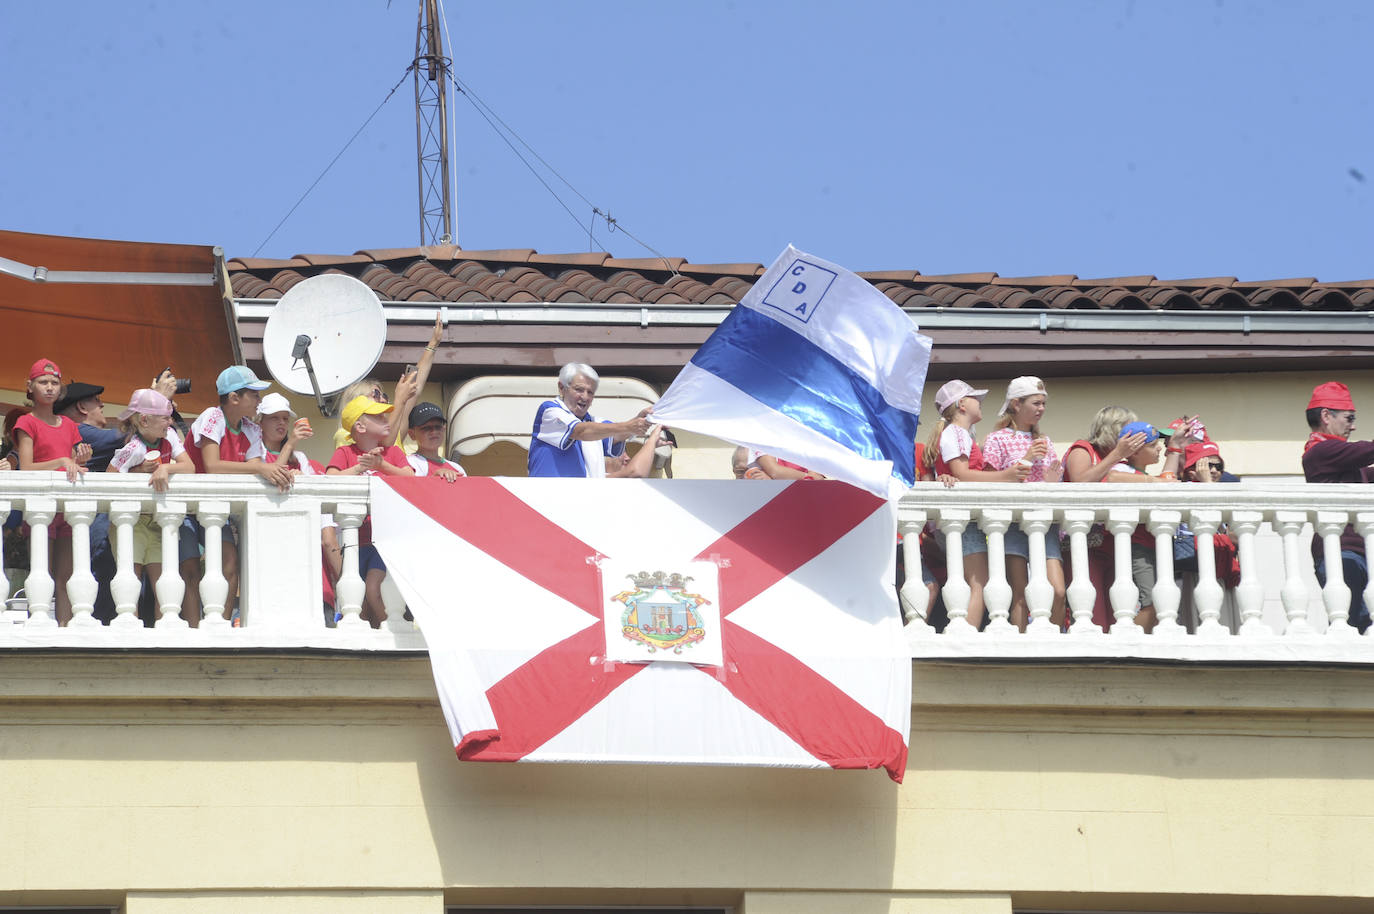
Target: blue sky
1188,138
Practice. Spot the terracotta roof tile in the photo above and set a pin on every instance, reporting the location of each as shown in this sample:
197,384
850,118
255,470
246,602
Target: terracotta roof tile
1201,283
1222,299
508,255
877,276
1327,299
591,258
332,260
264,263
1275,298
1126,281
651,264
446,273
723,269
1033,281
1167,298
981,279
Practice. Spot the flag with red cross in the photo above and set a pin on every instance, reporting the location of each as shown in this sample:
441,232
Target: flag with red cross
656,621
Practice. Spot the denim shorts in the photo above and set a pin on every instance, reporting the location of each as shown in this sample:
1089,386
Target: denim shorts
974,541
1017,542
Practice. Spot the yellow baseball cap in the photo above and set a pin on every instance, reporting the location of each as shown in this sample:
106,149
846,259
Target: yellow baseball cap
359,407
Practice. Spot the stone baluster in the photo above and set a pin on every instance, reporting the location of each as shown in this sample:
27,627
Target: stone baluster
125,586
38,586
1364,523
1081,593
1121,523
914,598
1208,594
349,591
1036,522
214,587
1164,524
395,605
1250,592
82,587
997,592
170,588
957,593
1336,594
1289,525
4,578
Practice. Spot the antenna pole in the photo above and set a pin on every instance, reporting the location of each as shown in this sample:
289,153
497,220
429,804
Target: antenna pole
431,128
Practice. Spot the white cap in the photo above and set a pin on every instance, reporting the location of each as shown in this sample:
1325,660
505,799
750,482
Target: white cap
275,403
953,392
1024,386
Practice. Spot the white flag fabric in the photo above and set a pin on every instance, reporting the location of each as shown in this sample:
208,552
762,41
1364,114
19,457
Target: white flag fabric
761,618
816,366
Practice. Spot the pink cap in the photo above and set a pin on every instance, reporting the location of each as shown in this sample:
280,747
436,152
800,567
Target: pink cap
147,402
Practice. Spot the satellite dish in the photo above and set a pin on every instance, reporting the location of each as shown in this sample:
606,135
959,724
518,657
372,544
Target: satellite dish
325,333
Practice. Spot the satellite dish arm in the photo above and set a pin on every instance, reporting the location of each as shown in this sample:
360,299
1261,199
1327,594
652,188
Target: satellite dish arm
301,352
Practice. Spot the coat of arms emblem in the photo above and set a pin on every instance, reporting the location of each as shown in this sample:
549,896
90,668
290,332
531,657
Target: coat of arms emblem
669,613
661,612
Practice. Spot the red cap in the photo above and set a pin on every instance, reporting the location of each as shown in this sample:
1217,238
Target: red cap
1195,452
44,366
1331,395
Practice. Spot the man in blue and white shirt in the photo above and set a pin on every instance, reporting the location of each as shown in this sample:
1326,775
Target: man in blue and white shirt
567,440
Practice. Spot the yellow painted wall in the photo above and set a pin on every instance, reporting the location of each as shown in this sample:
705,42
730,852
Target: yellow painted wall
153,774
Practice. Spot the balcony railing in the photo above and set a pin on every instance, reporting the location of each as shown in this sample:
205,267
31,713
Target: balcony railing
1278,613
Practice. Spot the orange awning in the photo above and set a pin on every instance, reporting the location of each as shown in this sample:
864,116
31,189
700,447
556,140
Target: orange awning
115,313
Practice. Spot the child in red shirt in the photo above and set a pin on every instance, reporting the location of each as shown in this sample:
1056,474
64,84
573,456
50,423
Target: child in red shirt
47,441
366,452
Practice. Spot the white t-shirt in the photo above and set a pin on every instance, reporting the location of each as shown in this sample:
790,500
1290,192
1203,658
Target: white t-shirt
135,452
421,465
955,441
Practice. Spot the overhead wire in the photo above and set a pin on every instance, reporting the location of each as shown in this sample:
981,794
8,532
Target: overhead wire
492,119
337,155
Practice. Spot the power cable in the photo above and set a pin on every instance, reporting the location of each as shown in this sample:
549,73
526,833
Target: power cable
337,155
492,119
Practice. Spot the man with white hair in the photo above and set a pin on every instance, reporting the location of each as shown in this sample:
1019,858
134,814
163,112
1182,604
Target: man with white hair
569,441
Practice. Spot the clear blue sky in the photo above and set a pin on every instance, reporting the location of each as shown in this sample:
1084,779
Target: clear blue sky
1185,138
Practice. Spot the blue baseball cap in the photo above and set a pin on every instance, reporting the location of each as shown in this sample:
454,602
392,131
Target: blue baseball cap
1140,428
238,377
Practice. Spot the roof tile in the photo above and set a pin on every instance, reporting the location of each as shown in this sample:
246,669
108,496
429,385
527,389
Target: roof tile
1033,281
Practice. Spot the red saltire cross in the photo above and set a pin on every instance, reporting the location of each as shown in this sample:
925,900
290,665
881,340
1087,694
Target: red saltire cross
797,525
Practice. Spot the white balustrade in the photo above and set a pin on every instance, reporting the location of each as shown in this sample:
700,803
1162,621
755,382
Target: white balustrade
39,586
170,589
82,588
952,523
1208,594
349,591
1125,596
1036,522
1078,523
1281,608
914,597
1164,524
997,592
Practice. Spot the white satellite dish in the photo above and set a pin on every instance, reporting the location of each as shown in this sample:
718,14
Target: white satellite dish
325,333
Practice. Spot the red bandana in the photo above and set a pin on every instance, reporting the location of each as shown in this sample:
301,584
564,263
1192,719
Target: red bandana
1317,438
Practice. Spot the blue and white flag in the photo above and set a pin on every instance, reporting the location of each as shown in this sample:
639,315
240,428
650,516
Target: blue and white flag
815,366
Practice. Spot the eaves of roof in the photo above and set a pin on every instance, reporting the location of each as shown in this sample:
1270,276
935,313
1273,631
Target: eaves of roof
1075,342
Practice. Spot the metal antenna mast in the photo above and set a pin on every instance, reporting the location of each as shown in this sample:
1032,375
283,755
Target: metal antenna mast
431,127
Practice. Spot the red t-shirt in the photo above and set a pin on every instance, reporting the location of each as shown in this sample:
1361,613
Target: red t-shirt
49,443
347,457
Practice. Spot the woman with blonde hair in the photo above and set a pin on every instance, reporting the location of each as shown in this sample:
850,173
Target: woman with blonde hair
1017,439
952,450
